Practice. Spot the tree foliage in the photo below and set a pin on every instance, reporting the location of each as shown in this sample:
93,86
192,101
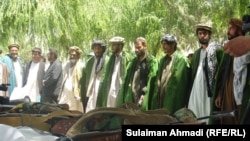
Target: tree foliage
61,24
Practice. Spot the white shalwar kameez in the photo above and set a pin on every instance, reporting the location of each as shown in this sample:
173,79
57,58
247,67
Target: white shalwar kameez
18,73
115,84
92,91
31,88
68,96
199,102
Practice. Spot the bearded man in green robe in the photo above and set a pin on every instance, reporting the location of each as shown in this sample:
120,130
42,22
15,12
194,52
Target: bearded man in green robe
231,86
116,69
141,72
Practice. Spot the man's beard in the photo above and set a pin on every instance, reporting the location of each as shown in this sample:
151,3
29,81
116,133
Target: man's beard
203,41
116,51
73,61
14,57
140,54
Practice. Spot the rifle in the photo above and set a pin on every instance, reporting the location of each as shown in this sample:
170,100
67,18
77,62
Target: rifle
215,115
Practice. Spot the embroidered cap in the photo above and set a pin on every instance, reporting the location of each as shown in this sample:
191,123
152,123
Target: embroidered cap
13,45
117,39
204,26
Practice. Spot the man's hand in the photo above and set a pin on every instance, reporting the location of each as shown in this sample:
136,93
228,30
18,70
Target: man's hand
43,82
238,46
141,100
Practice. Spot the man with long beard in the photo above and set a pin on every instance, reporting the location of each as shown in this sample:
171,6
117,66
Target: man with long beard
203,68
72,73
52,80
226,97
116,66
141,72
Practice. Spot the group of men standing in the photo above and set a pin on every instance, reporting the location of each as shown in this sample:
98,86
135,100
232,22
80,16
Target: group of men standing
211,81
32,79
219,82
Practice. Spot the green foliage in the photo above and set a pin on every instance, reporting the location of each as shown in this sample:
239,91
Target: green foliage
61,24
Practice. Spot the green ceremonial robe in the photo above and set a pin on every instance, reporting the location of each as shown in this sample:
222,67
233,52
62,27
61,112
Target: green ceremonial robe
126,95
194,67
105,85
86,74
219,78
195,63
176,90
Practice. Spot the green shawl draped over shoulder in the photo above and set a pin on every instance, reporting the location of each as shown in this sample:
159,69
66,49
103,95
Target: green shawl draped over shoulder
86,74
195,63
219,82
106,83
126,95
176,91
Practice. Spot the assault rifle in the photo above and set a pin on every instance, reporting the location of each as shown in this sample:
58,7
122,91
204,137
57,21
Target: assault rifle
215,115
